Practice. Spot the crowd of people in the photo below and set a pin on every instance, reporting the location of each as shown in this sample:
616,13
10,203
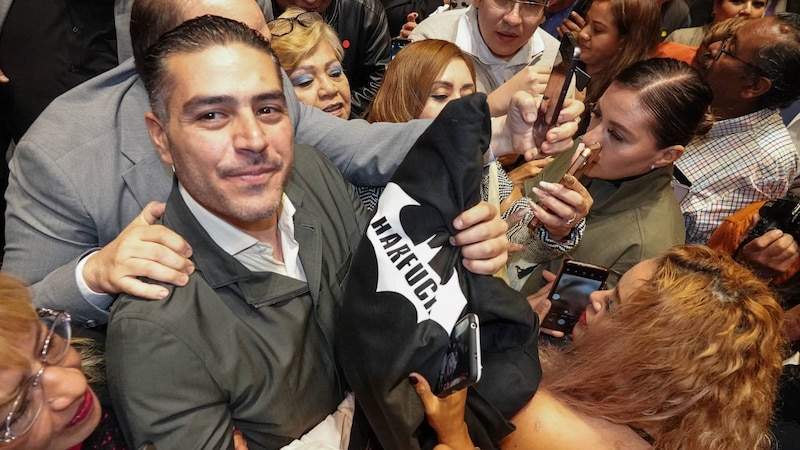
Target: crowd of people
248,224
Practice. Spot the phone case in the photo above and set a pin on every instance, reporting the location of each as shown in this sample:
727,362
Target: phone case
461,365
555,92
570,293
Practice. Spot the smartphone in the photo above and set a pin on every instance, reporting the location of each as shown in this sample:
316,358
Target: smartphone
570,293
397,44
461,365
680,184
555,92
585,155
582,7
681,190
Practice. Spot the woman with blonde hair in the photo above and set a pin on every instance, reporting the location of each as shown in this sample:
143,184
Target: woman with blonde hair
45,399
311,54
684,353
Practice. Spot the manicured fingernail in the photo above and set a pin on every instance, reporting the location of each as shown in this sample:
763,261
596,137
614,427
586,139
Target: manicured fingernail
413,380
539,193
547,186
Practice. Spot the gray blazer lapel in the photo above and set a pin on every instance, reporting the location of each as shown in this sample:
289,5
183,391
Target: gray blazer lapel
148,180
146,176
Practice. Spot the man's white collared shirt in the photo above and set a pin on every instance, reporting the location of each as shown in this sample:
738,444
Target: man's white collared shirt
252,253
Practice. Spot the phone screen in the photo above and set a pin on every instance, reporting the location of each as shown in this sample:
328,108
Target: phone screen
570,294
461,366
397,45
557,86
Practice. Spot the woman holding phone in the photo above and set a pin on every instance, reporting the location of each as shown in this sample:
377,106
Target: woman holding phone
643,120
613,35
418,83
684,353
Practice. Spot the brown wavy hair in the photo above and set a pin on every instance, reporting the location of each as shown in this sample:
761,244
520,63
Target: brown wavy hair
692,356
639,26
409,78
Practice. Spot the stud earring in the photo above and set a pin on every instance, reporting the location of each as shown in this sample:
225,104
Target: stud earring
652,166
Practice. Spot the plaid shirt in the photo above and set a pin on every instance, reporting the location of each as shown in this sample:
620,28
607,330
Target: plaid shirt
742,160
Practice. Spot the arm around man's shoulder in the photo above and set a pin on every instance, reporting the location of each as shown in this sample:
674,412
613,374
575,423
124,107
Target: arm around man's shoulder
47,231
366,153
65,195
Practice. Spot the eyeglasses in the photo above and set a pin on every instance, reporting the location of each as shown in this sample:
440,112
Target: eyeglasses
724,47
526,8
283,26
28,403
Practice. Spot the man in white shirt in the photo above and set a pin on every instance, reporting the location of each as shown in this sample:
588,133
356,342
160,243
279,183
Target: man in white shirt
510,52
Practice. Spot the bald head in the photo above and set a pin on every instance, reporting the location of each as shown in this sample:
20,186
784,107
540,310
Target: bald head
152,18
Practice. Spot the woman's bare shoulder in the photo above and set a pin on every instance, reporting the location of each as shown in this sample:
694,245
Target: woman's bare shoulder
547,423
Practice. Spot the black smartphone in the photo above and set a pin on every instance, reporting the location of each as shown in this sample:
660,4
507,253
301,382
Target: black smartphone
570,293
397,44
557,86
582,7
461,365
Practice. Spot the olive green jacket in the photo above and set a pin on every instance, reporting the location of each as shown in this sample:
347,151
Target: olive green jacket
628,223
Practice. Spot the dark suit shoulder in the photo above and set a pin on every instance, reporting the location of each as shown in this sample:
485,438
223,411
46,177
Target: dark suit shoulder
181,303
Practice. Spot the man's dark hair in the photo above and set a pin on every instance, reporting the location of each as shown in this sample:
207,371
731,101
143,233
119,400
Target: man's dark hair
149,20
780,62
193,36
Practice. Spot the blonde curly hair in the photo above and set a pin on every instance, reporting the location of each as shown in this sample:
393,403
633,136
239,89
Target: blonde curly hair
692,356
17,318
293,47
